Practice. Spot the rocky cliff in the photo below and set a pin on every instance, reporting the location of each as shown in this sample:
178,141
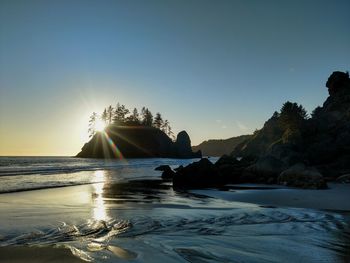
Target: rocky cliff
322,141
290,149
137,142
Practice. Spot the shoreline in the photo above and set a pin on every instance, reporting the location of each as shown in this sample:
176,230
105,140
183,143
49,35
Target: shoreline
335,198
76,203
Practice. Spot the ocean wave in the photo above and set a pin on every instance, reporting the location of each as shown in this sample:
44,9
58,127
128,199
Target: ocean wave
53,165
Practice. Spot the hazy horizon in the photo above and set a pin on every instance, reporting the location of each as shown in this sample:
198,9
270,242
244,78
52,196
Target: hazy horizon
216,69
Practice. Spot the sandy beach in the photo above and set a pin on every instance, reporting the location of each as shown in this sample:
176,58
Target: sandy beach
37,255
43,211
335,198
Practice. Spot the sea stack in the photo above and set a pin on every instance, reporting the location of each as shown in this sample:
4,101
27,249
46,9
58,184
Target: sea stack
137,142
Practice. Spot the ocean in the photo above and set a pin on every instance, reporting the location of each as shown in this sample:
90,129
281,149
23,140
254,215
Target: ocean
120,211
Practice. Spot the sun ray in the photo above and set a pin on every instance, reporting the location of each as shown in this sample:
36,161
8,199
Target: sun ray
117,153
134,144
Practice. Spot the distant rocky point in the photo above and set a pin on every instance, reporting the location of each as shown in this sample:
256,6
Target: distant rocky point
220,147
137,142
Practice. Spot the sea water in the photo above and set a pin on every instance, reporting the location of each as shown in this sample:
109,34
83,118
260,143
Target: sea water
120,211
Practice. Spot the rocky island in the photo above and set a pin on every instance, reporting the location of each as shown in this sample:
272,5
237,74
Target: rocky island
120,133
137,142
291,149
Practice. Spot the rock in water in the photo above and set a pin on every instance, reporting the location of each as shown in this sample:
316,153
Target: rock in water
183,146
168,173
197,175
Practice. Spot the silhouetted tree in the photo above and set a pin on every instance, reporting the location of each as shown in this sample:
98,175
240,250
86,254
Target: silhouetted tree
134,118
109,114
92,124
291,120
167,129
147,117
158,121
292,116
275,115
316,112
120,114
104,116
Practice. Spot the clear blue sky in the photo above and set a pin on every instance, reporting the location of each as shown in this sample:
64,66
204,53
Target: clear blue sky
214,68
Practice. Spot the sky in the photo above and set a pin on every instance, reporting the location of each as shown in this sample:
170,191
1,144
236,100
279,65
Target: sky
216,69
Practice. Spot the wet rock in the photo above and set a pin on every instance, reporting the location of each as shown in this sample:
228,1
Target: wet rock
168,173
162,168
301,176
344,179
197,175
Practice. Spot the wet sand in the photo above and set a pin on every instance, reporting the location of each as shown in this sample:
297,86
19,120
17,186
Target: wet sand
24,209
37,255
335,198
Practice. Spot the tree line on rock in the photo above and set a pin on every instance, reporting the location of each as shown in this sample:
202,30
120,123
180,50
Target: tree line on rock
291,120
120,115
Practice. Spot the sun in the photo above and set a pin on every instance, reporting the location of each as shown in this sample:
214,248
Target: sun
100,126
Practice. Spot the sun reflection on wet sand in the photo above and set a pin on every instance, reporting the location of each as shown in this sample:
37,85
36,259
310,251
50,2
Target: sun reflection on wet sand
99,209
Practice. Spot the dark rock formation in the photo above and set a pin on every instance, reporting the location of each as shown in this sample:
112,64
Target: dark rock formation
197,175
336,82
162,168
232,169
136,142
220,147
204,173
344,179
167,172
303,177
290,149
261,140
265,170
183,146
322,141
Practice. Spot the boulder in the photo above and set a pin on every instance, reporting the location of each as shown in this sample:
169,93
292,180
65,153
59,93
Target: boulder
301,176
231,168
168,173
162,168
183,146
197,175
226,160
267,166
344,179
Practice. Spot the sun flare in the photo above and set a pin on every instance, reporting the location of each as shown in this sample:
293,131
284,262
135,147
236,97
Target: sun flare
100,125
